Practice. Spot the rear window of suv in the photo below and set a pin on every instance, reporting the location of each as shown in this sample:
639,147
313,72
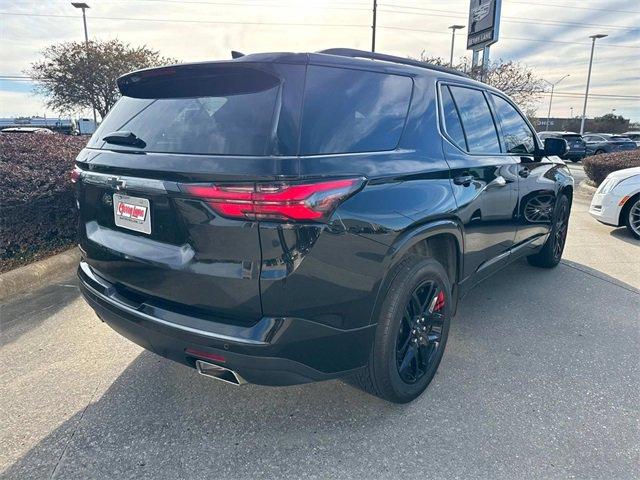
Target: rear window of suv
348,111
233,125
224,114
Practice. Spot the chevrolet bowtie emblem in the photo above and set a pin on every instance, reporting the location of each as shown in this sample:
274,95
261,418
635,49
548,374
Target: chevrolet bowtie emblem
117,183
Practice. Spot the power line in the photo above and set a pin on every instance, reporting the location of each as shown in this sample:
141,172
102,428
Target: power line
530,4
447,13
555,5
520,39
175,20
293,24
274,5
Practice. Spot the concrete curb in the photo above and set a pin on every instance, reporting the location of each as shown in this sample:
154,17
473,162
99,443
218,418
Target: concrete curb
24,279
586,188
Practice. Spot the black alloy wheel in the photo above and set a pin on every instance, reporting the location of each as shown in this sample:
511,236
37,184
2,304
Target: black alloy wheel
560,230
411,335
551,253
420,333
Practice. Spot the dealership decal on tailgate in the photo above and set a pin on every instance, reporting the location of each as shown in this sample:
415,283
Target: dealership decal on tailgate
132,213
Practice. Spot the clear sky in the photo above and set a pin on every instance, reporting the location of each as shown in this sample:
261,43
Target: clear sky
550,36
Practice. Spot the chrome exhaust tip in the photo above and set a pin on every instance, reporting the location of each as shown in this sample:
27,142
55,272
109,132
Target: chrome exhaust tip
219,373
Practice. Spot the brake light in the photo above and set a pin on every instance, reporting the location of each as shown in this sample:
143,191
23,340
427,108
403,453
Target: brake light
209,356
277,201
75,175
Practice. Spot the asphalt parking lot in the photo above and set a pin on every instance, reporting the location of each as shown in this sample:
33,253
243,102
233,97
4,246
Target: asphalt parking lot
540,380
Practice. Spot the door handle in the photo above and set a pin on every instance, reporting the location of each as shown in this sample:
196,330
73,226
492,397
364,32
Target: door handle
464,180
524,172
499,181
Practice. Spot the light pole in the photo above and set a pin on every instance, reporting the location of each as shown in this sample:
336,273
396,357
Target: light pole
453,40
586,94
83,6
571,109
553,86
373,26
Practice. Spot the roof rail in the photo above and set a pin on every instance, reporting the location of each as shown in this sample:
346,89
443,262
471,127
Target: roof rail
353,53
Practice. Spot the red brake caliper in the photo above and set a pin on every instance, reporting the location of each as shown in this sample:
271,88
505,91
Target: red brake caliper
439,301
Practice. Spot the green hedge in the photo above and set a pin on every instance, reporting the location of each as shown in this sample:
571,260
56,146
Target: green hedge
597,167
37,200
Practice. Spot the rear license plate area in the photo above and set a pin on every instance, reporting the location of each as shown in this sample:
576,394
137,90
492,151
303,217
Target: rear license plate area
132,213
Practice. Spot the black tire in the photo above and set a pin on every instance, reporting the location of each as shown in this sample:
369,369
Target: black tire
575,160
600,152
382,375
631,215
551,253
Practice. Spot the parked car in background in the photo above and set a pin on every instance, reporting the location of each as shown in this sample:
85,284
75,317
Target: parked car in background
635,136
38,130
283,218
617,200
598,143
577,149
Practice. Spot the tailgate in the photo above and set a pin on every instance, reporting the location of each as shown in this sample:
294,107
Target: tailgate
191,260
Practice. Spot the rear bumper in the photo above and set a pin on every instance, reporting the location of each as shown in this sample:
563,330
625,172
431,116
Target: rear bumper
272,351
574,155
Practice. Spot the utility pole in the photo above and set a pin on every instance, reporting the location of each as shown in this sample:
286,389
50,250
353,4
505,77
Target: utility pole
453,41
586,95
373,26
553,86
83,6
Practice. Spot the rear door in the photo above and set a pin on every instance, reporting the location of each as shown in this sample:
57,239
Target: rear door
484,180
145,224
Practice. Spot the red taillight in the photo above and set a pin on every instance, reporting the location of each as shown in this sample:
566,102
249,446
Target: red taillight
75,175
209,356
280,202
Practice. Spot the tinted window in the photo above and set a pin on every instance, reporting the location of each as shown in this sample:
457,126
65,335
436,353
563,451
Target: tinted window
452,123
352,110
229,122
476,120
518,137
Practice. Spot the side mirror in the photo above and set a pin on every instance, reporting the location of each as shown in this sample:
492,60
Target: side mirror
555,146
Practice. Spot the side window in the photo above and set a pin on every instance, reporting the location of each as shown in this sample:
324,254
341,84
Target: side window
353,110
518,137
476,120
452,123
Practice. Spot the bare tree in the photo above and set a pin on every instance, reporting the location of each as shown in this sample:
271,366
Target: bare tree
71,76
515,79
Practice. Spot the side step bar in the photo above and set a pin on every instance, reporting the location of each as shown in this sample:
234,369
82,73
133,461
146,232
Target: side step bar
219,373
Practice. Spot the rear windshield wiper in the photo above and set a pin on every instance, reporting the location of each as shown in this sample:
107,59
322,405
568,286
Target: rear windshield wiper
124,137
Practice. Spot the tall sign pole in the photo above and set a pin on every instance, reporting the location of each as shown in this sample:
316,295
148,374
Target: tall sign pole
483,31
373,26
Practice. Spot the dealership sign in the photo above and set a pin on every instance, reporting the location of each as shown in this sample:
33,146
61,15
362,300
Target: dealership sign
484,23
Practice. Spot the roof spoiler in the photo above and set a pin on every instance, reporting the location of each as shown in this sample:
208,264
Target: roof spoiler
235,54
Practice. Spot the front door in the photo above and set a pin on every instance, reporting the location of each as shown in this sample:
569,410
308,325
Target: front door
536,175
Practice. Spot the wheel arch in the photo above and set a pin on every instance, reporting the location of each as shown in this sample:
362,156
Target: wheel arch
442,240
625,208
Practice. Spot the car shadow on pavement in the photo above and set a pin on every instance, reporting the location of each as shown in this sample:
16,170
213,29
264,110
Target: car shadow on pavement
624,235
21,315
515,394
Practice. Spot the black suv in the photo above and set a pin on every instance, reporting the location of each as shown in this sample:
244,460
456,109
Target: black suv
577,148
293,217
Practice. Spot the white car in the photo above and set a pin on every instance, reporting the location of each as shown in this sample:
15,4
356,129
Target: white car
617,200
